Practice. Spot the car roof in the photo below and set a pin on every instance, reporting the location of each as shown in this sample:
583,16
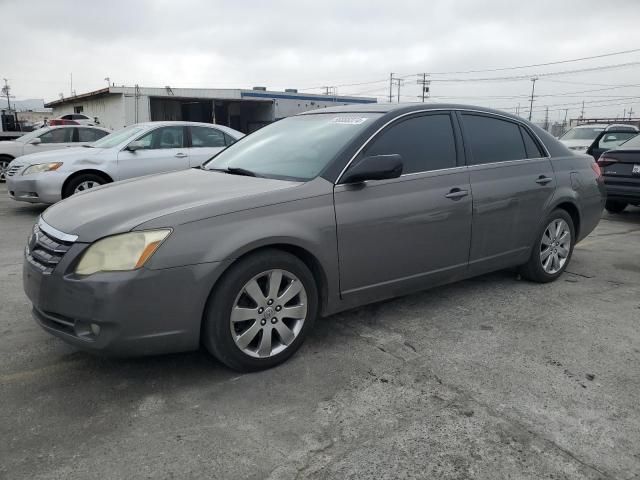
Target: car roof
406,108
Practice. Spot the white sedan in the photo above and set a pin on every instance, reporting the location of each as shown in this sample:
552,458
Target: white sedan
141,149
48,138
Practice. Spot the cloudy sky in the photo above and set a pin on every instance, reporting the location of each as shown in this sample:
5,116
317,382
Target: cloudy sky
353,45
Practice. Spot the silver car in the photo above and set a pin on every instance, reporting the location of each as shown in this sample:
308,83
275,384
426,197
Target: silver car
138,150
45,139
309,216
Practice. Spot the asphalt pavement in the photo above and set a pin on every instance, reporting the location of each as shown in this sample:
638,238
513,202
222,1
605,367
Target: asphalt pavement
490,378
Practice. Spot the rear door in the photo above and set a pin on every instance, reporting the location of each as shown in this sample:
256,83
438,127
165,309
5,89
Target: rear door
405,233
87,135
512,182
164,151
205,143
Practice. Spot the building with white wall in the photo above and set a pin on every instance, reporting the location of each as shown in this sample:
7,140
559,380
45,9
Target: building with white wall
244,110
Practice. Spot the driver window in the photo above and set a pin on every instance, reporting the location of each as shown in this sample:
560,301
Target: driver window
163,137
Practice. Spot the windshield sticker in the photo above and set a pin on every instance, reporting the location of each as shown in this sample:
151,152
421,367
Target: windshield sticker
348,120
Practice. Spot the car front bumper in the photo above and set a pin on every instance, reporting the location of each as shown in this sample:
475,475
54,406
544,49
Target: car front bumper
45,187
141,312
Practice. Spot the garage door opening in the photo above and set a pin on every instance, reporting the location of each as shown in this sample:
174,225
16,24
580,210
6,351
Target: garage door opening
186,109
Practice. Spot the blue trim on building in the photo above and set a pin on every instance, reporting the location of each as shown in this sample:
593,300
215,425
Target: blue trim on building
323,98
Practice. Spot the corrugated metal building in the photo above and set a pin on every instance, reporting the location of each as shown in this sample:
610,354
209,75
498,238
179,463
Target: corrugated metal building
244,110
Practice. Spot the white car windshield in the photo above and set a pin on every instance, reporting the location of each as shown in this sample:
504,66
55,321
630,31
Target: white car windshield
295,148
116,138
582,134
31,135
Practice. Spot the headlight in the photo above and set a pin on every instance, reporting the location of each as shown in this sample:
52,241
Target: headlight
127,251
42,167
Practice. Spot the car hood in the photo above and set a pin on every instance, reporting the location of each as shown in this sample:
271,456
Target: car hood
191,194
60,155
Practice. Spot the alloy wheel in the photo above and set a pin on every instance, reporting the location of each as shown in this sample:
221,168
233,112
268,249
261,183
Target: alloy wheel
4,167
268,313
555,246
86,185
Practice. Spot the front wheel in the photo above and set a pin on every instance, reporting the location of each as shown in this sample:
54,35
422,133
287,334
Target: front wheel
82,183
614,206
261,311
4,167
553,249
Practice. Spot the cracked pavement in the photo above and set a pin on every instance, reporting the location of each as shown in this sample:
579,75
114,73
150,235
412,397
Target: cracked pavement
489,378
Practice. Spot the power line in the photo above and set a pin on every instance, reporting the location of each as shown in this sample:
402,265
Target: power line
500,69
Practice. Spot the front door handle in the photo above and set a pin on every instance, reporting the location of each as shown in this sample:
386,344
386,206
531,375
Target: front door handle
456,194
543,180
180,155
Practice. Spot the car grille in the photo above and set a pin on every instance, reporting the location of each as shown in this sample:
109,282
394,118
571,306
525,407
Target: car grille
13,170
45,251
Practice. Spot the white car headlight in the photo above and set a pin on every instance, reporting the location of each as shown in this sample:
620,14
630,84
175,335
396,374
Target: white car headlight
127,251
42,167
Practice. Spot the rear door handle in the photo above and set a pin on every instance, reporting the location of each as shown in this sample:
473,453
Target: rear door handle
456,194
180,155
543,180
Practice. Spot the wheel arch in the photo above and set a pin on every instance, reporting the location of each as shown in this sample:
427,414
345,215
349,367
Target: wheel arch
574,212
86,171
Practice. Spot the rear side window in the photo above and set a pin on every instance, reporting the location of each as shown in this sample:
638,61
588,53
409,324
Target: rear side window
207,137
492,140
90,134
530,145
425,143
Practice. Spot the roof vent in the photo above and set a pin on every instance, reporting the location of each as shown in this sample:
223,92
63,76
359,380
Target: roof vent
291,90
262,89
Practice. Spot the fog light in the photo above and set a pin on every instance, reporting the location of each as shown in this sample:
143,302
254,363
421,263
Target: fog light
95,329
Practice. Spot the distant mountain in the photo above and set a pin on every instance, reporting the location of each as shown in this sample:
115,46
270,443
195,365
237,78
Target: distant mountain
21,105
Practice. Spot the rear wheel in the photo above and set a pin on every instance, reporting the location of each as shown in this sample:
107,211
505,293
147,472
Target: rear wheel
81,183
261,311
615,206
553,249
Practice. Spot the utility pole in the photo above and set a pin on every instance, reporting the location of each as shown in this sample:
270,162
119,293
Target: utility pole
564,123
390,86
518,110
546,119
108,80
6,90
425,86
533,89
582,111
630,112
71,84
398,82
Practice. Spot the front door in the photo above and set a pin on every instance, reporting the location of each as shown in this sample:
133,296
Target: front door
413,231
512,182
164,150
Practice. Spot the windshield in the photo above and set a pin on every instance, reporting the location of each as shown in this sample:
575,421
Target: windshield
631,144
297,148
31,135
582,133
116,138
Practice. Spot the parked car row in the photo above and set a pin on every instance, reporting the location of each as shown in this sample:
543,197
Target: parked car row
581,137
309,216
134,151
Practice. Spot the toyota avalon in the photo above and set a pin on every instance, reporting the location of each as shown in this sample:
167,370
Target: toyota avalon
309,216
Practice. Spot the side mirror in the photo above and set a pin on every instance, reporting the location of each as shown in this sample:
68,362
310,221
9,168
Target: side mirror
135,145
377,167
36,141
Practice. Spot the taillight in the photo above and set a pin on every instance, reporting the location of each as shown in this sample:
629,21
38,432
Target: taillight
605,161
596,168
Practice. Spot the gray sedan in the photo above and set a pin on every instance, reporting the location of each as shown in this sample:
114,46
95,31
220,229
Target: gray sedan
309,216
141,149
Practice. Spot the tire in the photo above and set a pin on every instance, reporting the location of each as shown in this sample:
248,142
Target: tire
255,317
4,164
615,206
542,267
86,180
